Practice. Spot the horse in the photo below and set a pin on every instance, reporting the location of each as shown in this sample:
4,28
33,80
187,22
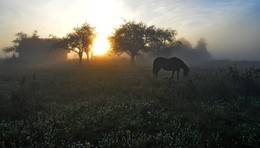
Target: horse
170,64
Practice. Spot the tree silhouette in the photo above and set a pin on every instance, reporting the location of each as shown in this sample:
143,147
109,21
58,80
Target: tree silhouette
34,49
196,55
78,41
35,34
160,40
202,50
20,36
133,38
129,38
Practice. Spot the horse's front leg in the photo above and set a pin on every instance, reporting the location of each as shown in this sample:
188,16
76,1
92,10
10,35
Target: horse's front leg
178,72
172,77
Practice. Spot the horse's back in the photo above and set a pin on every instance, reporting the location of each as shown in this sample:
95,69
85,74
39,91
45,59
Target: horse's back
173,64
175,59
159,60
165,60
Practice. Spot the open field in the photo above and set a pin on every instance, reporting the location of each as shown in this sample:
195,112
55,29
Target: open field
114,105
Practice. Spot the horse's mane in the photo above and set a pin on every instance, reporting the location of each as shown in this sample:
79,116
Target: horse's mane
185,67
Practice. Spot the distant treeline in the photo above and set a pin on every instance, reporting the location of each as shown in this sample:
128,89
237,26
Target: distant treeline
132,38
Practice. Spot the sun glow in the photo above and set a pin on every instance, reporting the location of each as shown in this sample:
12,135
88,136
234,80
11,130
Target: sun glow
104,15
101,45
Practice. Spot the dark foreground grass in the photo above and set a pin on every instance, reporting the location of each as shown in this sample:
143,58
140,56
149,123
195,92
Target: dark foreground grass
108,105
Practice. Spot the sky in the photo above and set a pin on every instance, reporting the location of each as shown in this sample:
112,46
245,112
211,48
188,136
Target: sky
231,27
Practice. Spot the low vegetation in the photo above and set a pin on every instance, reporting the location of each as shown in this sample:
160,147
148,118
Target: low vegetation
112,105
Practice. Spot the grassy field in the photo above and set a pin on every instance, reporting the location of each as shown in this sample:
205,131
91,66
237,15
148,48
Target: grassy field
104,104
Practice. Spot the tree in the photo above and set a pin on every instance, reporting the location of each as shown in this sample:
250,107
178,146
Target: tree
78,41
202,45
196,55
20,36
129,38
185,43
35,34
160,40
202,50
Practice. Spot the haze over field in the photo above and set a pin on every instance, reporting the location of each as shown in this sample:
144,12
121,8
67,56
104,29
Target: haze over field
231,28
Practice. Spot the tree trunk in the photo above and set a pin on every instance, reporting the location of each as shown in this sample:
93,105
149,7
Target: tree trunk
133,60
87,56
80,57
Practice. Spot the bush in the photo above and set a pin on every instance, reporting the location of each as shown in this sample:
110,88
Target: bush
232,83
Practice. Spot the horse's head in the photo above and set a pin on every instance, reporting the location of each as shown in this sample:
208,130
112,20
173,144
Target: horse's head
156,66
186,72
155,70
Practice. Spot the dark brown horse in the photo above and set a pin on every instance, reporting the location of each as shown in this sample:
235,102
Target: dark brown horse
170,64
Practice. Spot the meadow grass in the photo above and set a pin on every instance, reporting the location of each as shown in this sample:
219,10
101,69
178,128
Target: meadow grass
105,104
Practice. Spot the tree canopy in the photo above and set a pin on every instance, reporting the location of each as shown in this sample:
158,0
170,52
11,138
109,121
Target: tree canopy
20,36
160,40
132,38
201,48
129,38
196,55
78,41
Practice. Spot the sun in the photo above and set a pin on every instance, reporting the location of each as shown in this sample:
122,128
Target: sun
104,17
101,45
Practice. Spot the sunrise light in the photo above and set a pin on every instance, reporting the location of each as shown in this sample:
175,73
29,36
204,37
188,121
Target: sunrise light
106,15
101,45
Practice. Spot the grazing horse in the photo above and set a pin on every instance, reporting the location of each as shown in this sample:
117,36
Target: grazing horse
170,64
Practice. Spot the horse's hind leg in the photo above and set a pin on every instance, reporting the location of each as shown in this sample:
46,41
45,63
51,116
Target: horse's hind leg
155,75
172,77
